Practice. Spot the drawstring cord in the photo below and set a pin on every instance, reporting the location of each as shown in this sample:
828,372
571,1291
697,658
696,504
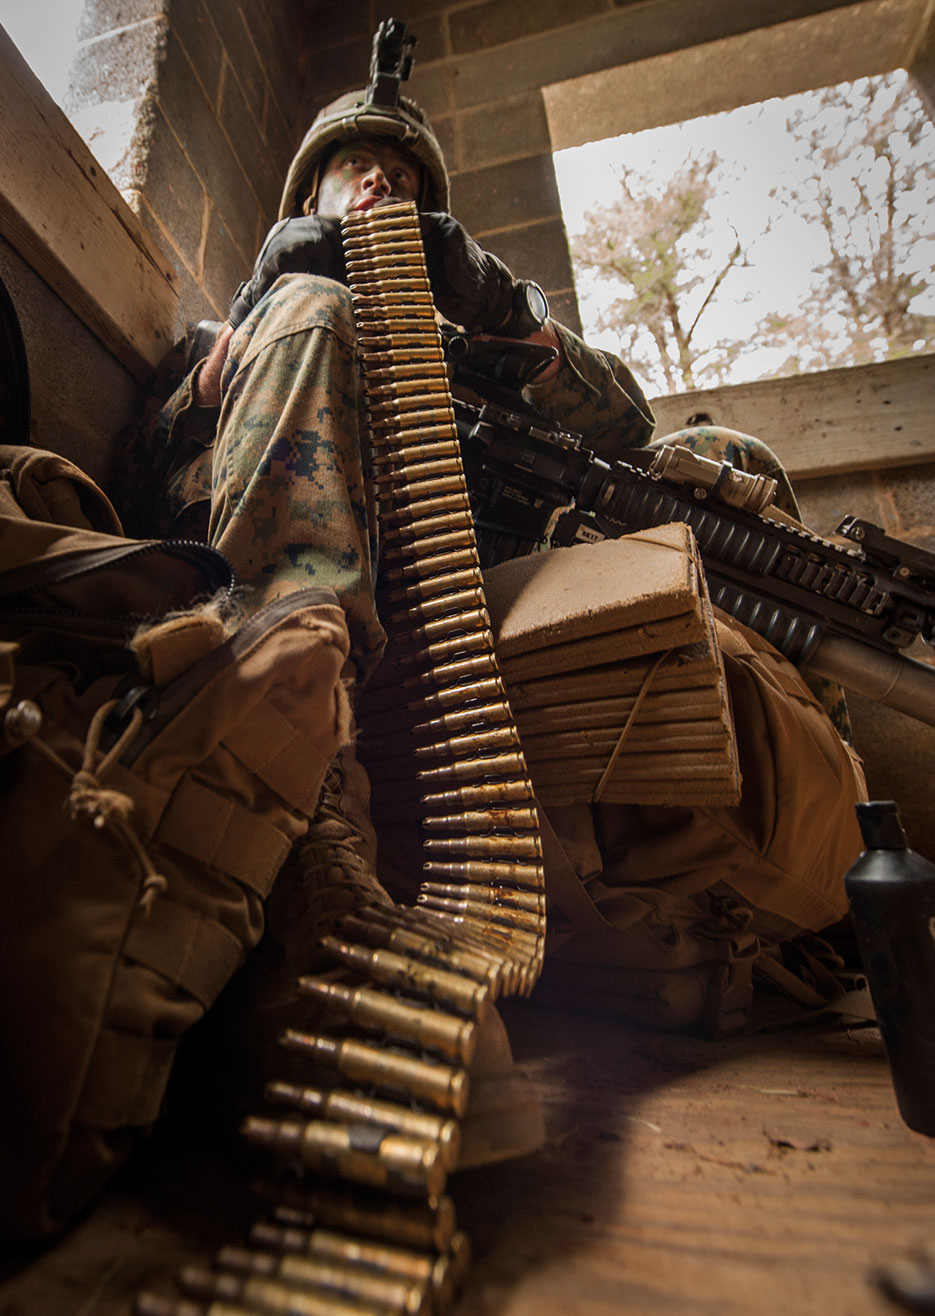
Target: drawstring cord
625,730
104,807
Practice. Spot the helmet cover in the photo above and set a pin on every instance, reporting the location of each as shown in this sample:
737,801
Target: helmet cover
352,115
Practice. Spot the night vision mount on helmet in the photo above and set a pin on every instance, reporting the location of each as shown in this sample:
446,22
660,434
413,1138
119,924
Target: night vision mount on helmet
375,111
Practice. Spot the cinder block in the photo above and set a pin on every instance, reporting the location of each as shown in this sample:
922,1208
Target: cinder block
513,127
431,41
234,31
117,66
535,251
498,21
224,269
333,24
332,72
433,88
506,195
446,130
282,129
910,495
194,304
278,57
100,16
246,140
201,42
209,153
81,395
173,191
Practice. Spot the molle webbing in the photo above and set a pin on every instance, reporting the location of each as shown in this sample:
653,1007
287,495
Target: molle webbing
376,1120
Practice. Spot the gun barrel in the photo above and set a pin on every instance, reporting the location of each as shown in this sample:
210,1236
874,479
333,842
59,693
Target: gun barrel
891,679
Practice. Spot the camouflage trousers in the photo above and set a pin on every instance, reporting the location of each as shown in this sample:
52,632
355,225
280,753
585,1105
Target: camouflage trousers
286,491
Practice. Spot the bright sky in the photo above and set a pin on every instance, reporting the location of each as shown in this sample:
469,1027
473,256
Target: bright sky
44,31
759,155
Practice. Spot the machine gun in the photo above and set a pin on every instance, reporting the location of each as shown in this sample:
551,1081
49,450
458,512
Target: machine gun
845,611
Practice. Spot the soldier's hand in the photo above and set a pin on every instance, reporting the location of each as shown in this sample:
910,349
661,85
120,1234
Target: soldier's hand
471,287
305,244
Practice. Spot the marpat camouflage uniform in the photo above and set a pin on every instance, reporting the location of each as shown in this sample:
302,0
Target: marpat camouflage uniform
278,477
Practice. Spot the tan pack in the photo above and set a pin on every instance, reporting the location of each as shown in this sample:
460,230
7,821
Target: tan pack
148,797
660,911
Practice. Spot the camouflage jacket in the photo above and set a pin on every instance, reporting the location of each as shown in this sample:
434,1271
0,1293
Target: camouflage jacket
166,462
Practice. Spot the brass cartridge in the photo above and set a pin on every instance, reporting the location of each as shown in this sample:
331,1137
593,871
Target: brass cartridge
504,897
438,949
429,507
439,604
485,820
356,1108
442,1086
513,845
428,1224
411,975
458,937
438,1273
431,586
329,1274
443,651
431,565
422,1025
474,742
520,788
476,691
460,718
481,871
487,766
450,673
252,1294
419,526
394,1161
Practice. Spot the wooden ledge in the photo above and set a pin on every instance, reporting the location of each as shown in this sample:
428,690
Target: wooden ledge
862,418
63,215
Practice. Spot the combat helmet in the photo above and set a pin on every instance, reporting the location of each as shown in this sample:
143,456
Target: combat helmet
355,114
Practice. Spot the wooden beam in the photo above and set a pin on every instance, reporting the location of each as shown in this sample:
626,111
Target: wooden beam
68,221
863,418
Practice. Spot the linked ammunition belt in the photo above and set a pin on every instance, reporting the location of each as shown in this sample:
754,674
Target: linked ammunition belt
377,1123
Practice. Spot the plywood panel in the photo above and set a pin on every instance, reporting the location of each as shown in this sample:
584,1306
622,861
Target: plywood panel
69,222
858,419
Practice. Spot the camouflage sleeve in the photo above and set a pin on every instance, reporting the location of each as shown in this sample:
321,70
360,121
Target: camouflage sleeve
595,395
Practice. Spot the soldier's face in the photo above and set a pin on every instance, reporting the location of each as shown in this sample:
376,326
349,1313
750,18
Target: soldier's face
365,173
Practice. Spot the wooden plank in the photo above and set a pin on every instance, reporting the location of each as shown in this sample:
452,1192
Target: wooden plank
861,418
69,222
765,1173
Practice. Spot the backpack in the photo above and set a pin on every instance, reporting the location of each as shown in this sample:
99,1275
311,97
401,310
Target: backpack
159,757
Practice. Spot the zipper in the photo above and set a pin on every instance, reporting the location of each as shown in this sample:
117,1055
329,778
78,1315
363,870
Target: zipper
217,572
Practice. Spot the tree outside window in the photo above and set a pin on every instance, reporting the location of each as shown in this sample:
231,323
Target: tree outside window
794,235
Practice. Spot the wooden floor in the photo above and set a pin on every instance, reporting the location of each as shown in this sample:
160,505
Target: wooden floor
766,1174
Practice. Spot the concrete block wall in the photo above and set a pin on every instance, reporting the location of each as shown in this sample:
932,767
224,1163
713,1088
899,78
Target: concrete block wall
480,66
480,69
210,88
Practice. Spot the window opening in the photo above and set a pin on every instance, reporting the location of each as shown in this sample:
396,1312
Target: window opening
786,236
46,34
